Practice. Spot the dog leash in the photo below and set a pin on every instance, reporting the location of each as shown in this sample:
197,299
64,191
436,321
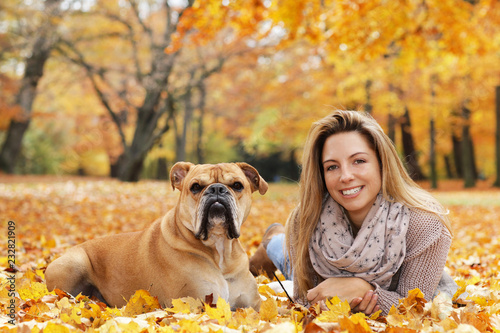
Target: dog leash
282,287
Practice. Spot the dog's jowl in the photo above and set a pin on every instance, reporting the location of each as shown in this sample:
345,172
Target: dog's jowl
193,250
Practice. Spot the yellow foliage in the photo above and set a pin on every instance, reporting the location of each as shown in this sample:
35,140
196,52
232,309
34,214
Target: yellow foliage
221,313
336,309
472,262
141,302
354,323
179,306
269,310
34,291
56,328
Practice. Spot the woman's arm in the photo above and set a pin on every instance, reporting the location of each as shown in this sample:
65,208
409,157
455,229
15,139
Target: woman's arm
422,271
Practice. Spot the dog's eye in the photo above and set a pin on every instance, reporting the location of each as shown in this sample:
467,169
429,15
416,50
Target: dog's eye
237,186
196,188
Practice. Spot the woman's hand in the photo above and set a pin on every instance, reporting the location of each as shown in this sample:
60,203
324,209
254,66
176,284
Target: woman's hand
356,291
366,304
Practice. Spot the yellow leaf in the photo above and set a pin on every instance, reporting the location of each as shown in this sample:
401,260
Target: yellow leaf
222,313
336,308
178,306
356,323
141,302
269,309
375,315
36,291
462,285
247,316
63,303
415,301
95,311
75,315
56,328
266,291
188,326
65,318
479,300
37,309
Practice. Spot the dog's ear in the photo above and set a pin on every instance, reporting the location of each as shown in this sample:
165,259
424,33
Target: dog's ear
178,173
257,182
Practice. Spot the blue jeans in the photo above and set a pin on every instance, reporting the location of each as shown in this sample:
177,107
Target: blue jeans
276,252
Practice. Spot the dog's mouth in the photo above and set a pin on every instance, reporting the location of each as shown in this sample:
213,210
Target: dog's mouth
216,216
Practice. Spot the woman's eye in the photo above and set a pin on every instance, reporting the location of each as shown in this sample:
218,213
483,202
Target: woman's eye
359,161
237,186
331,167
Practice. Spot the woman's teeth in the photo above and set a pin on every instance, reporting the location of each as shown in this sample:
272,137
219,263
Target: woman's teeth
352,191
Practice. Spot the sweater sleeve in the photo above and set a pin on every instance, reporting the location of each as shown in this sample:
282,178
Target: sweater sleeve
427,245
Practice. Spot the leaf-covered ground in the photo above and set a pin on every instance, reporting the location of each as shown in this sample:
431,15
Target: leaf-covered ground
47,216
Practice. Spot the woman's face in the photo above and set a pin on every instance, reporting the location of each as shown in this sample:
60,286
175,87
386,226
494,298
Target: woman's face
352,173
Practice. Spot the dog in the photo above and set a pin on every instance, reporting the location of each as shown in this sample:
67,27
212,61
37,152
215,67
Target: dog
193,250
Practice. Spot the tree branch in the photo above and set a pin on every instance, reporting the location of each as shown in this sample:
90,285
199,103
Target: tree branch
91,72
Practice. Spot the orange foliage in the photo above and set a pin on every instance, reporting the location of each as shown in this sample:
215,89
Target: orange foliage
56,213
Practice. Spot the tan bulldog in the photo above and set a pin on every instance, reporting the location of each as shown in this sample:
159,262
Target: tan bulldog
192,251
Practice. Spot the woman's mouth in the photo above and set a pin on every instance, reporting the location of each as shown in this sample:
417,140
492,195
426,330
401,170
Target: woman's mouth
351,191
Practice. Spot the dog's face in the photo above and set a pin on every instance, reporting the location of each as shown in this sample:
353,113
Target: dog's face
215,199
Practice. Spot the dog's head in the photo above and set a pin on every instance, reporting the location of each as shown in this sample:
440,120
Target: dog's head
215,198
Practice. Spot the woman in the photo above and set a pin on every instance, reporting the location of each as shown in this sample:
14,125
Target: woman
363,230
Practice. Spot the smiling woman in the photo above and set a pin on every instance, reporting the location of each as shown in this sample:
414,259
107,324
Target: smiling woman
363,230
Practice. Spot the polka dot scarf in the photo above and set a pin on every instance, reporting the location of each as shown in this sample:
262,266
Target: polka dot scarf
375,254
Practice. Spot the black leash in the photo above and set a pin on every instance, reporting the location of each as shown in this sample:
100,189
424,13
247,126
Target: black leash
282,287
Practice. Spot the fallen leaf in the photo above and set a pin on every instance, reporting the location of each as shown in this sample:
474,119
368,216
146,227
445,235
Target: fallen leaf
269,309
141,302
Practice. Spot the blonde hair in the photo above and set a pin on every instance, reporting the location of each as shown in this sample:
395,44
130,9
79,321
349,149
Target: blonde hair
397,185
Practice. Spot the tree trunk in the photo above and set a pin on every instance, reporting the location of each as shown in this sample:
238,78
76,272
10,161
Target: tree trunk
12,145
25,98
391,125
199,143
448,167
457,155
368,104
161,167
409,148
434,184
497,136
129,167
162,171
131,161
467,151
188,115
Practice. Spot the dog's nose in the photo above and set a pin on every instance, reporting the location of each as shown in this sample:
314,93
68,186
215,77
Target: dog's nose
217,189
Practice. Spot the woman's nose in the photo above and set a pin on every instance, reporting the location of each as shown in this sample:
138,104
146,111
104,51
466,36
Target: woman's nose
346,175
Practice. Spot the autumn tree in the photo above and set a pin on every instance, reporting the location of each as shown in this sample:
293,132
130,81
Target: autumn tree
497,135
41,40
445,39
137,87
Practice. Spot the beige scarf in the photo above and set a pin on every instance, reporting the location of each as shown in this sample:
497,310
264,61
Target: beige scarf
376,253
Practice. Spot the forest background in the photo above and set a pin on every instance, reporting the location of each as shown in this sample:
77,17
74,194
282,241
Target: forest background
126,88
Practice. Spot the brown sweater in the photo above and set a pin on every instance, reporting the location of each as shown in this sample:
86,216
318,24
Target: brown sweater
427,245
